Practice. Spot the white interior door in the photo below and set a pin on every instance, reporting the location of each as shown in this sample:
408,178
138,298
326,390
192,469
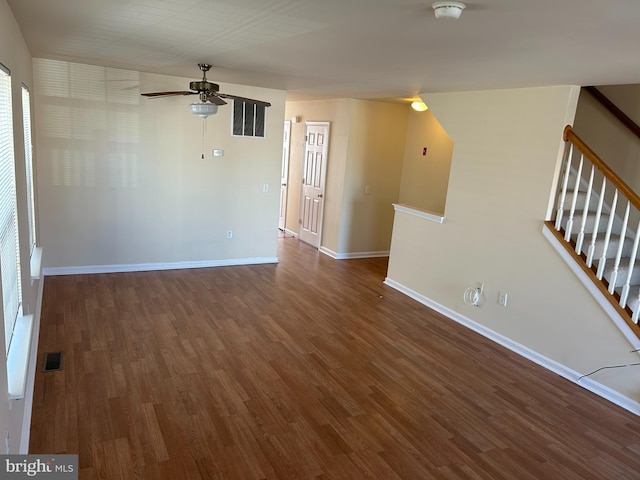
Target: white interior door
313,182
284,174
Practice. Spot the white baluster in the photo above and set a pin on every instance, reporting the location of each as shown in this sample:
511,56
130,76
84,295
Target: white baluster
563,192
636,312
607,236
632,263
616,265
585,211
592,245
572,210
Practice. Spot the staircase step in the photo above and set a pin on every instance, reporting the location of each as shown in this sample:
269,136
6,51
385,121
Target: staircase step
581,198
612,248
589,224
623,270
632,299
572,180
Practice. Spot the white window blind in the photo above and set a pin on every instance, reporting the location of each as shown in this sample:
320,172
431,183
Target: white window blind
28,158
9,258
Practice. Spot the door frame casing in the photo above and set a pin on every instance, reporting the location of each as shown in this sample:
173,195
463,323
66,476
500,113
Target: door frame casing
284,168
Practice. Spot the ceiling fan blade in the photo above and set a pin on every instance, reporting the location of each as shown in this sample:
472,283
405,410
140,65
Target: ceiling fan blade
214,98
167,94
244,99
207,91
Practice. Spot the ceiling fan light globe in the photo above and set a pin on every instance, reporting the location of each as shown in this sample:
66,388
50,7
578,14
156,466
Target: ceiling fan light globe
203,110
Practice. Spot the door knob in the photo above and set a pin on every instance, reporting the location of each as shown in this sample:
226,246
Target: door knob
319,195
284,184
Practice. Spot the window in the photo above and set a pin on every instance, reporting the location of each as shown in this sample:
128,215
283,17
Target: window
9,255
248,119
28,158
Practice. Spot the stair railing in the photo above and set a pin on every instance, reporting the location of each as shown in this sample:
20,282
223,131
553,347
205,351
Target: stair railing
593,212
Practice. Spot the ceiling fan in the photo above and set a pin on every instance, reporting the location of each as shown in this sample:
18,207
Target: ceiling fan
208,93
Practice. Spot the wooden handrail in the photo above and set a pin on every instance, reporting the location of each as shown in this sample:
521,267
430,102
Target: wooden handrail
570,136
615,111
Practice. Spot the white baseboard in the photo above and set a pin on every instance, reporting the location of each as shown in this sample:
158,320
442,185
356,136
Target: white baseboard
144,267
558,368
290,232
348,256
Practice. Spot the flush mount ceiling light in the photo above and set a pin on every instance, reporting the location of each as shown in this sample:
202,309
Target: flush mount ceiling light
203,109
419,106
448,9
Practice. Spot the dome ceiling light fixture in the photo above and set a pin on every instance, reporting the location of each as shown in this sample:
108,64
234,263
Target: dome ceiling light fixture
451,10
419,106
203,109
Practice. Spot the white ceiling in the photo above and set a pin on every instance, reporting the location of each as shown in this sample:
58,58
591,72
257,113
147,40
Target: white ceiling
346,48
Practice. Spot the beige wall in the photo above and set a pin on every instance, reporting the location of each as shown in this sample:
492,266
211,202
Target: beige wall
376,148
365,149
607,136
626,97
425,178
336,112
15,56
122,181
507,148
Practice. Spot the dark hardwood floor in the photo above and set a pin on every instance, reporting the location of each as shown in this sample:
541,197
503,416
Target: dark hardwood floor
311,368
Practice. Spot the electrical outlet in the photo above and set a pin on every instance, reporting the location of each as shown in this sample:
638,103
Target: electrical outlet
265,188
502,299
229,234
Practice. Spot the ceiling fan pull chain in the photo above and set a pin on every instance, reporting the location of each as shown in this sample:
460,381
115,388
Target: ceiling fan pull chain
204,122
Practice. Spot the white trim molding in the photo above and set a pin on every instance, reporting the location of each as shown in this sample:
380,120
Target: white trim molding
416,212
557,368
31,373
145,267
36,264
19,355
348,256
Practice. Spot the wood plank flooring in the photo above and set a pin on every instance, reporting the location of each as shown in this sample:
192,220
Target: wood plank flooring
309,369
